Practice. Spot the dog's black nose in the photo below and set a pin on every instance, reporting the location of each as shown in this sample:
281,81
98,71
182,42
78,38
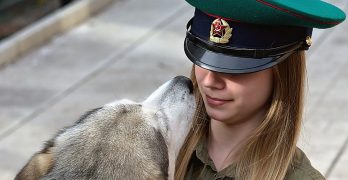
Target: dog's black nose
186,81
190,86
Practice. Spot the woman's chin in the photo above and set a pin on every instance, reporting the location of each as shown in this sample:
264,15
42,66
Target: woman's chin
218,115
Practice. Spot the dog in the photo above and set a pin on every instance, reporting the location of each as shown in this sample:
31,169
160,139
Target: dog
121,140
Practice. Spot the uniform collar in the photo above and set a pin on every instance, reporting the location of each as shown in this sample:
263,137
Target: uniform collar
203,155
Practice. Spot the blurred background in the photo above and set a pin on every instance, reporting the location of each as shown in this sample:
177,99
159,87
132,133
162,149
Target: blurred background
60,58
16,14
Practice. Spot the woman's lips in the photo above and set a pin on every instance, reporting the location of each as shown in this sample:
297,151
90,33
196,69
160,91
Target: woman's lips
215,101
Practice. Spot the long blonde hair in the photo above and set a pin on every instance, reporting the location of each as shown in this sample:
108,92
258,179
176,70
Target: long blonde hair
270,149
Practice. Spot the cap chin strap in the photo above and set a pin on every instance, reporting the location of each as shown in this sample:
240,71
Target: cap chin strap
244,52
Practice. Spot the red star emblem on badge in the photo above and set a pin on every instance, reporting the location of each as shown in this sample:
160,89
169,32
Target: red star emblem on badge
219,29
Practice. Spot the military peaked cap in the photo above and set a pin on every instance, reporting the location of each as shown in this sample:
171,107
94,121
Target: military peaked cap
244,36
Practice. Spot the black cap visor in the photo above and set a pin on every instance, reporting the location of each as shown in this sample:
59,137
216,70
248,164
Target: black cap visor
220,62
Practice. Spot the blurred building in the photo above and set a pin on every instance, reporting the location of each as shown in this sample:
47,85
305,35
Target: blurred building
16,14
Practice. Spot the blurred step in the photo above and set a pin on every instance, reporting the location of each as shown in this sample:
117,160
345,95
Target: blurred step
16,14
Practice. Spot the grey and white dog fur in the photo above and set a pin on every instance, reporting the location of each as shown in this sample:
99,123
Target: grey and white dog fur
121,140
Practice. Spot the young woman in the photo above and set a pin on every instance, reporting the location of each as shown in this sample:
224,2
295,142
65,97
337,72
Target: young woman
249,81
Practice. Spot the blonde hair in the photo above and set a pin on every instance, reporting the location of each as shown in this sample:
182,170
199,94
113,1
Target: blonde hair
270,149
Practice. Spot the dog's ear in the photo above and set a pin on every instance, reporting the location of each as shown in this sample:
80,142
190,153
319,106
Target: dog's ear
38,166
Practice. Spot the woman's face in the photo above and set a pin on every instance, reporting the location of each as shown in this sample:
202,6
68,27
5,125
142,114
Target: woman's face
235,98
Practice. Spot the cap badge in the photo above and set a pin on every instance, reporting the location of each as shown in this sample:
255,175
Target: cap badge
220,31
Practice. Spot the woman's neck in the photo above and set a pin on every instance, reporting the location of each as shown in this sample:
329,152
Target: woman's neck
226,141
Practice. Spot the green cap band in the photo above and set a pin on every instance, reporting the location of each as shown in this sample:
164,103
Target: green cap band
307,13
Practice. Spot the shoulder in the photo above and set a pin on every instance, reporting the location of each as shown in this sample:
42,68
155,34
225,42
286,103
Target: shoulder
301,168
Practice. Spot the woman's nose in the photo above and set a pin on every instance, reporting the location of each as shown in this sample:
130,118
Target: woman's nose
213,80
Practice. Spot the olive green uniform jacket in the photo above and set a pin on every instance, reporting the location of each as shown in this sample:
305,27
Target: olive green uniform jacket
201,167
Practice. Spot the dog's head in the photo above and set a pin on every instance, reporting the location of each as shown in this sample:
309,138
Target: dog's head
123,139
173,106
169,110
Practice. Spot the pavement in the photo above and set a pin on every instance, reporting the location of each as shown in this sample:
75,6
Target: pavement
127,51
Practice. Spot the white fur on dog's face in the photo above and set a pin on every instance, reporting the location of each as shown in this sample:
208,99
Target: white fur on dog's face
174,103
175,99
